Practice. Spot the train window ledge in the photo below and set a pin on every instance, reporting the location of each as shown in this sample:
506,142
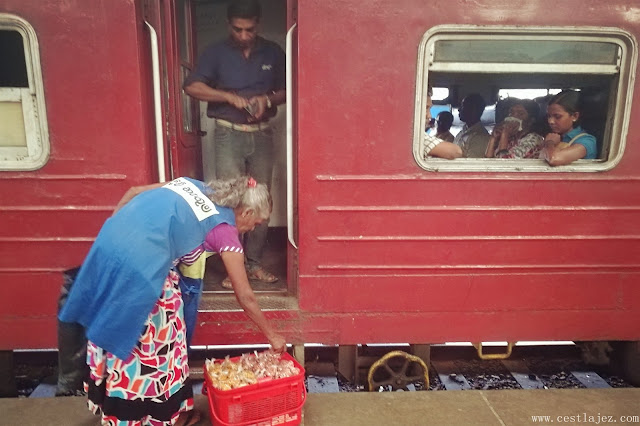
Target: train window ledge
513,165
24,139
600,61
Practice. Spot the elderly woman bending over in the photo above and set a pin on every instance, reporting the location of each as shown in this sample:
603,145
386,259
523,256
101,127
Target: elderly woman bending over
127,296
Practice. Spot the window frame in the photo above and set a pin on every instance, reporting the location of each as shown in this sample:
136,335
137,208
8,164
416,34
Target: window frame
36,153
620,96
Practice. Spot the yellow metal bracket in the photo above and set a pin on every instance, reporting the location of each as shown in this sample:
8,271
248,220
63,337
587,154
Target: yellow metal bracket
505,355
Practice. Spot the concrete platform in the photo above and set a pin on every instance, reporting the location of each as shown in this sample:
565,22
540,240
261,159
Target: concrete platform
494,407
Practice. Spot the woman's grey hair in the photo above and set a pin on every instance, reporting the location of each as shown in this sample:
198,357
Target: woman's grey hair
236,192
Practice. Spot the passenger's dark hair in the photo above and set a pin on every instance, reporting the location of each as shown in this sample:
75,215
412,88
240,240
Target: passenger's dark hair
445,118
569,100
244,9
532,107
477,101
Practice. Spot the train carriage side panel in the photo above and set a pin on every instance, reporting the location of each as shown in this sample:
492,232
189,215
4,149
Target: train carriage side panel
390,252
94,64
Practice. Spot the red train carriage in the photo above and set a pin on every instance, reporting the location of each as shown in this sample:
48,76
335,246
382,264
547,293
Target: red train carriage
384,245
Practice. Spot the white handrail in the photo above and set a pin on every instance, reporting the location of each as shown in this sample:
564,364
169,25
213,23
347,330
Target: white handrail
155,63
290,136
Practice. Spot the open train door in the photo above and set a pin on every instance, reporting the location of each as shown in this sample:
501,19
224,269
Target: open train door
291,146
183,119
173,49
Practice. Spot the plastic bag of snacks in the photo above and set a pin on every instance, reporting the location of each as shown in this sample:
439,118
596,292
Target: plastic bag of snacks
248,369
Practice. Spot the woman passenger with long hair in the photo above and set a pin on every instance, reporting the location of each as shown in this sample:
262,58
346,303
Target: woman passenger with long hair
514,137
567,141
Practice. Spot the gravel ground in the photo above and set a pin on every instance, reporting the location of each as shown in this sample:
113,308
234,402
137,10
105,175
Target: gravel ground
28,377
486,375
555,373
434,381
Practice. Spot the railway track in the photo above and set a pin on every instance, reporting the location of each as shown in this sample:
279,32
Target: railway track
450,368
529,367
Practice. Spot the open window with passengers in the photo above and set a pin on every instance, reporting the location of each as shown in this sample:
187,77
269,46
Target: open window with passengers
491,61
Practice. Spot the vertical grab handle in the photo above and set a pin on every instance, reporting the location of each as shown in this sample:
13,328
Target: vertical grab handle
290,136
155,63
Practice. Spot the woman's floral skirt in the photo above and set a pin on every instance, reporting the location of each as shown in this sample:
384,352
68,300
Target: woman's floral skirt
152,386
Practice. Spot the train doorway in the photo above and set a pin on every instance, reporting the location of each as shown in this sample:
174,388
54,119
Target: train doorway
210,25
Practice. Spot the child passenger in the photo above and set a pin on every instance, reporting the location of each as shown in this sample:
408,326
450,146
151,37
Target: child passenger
567,141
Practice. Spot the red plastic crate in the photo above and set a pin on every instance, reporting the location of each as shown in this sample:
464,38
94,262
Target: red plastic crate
272,402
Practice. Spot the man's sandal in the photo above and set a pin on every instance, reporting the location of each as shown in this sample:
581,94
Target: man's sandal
261,274
226,283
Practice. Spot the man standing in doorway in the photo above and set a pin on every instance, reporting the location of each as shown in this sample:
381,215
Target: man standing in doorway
243,80
473,138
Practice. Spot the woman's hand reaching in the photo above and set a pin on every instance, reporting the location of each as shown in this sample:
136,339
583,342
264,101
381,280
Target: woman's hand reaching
278,343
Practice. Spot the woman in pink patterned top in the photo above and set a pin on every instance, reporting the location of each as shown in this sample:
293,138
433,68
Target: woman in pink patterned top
514,137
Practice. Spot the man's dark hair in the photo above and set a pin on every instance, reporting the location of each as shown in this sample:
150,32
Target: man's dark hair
445,120
532,107
476,101
244,9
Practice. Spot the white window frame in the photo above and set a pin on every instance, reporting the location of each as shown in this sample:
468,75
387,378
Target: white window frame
36,154
621,102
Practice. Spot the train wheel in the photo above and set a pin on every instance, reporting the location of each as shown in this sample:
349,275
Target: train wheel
397,369
630,361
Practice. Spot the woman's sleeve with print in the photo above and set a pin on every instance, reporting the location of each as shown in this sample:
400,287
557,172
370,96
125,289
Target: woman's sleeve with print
526,146
223,237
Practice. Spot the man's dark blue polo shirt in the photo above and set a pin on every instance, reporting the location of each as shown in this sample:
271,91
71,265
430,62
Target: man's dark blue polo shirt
224,67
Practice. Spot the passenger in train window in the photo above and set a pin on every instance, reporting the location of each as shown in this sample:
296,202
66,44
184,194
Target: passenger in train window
127,296
568,142
434,146
243,80
473,138
443,124
514,136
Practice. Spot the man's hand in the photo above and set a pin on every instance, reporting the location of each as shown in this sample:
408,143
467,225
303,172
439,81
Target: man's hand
260,105
237,101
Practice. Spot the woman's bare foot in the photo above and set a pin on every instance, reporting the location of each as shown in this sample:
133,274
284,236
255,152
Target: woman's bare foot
188,418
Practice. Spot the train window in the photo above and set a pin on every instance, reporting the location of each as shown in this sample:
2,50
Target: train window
24,140
440,93
499,62
526,93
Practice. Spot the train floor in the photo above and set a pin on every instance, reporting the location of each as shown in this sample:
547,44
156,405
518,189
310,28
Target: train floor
274,260
469,407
